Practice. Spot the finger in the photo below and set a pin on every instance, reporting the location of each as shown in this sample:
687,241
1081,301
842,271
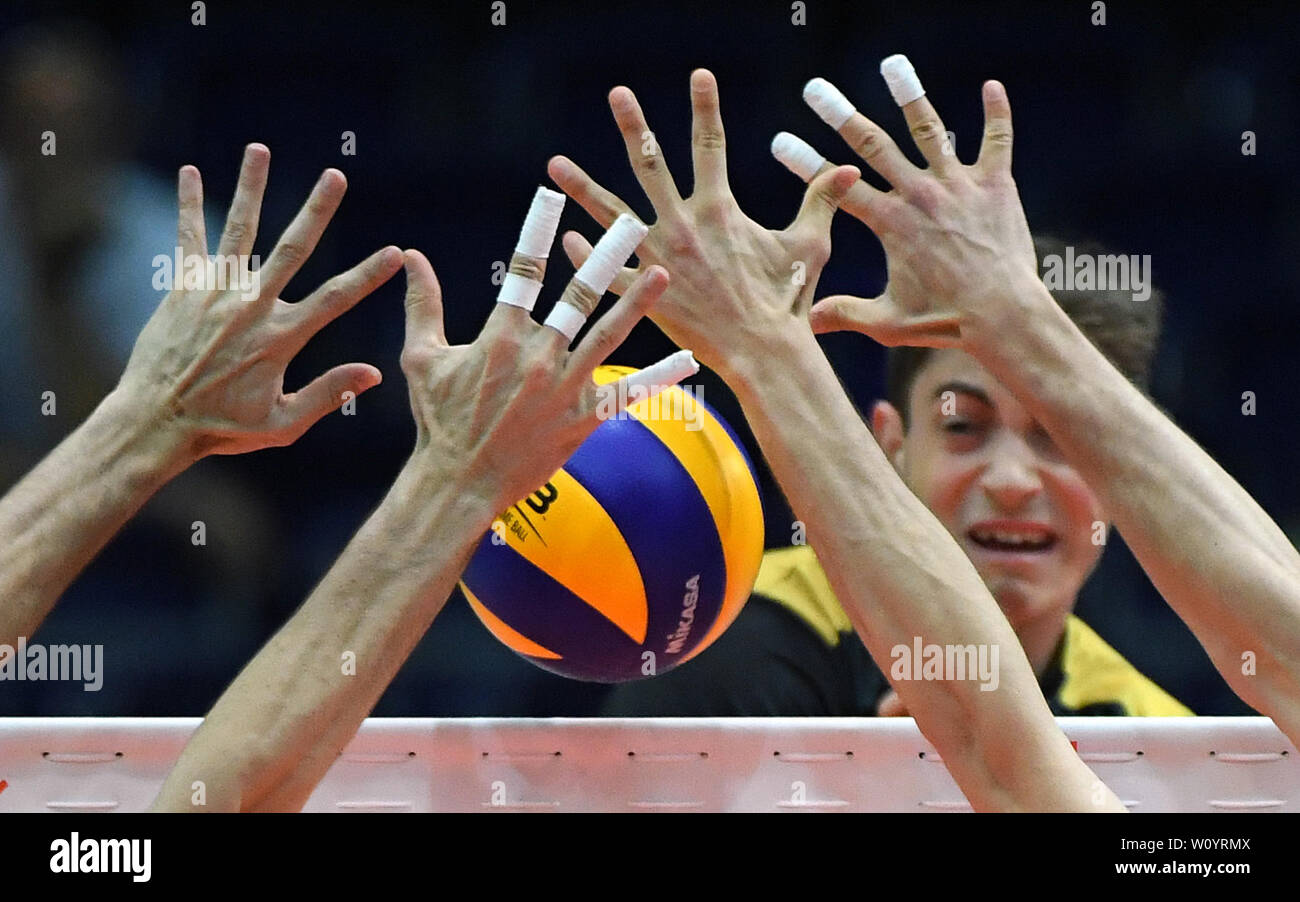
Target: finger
612,398
341,293
423,301
644,153
604,206
191,234
881,320
924,123
612,329
708,142
300,238
840,313
868,140
578,249
823,197
325,394
862,201
995,150
246,208
523,281
593,279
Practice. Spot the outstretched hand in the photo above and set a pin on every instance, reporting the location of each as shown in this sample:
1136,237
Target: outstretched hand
209,365
955,235
507,410
734,282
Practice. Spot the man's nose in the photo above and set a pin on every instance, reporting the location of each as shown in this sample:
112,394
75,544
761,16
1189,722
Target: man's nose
1011,480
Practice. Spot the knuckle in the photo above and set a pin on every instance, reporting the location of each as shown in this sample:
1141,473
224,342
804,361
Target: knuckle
818,251
829,198
926,195
333,294
650,164
869,144
682,242
413,361
709,139
506,345
537,373
415,297
604,342
527,267
643,301
928,130
998,133
236,231
319,207
292,252
714,207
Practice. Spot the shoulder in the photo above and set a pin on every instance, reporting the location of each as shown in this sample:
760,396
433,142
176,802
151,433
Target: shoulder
1097,673
794,579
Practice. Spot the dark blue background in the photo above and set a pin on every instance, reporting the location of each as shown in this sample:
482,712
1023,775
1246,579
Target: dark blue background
1128,133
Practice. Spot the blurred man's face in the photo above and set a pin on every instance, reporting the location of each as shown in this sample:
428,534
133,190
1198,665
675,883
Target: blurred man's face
995,479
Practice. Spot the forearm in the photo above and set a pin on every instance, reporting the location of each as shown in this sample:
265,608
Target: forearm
282,723
901,576
59,516
1214,554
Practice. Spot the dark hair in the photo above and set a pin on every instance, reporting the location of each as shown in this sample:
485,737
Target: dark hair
1124,330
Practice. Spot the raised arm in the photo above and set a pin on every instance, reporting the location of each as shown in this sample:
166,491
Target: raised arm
962,273
205,377
495,419
739,296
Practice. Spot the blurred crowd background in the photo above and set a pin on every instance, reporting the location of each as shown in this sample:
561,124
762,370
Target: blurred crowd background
1129,133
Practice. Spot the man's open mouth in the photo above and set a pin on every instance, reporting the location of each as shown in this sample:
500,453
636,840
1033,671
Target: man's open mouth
1018,540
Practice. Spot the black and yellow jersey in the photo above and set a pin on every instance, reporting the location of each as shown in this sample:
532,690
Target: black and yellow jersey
793,652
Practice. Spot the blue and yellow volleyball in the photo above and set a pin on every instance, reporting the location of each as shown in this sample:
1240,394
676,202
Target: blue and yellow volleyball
636,555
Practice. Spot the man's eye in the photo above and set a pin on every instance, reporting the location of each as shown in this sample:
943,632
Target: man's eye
1044,442
958,427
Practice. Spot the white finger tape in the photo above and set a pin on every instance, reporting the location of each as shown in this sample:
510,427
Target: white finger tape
566,319
901,78
611,252
827,102
667,372
797,155
519,291
538,233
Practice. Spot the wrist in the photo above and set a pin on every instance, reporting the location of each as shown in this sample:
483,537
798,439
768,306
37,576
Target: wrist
755,361
155,437
1033,347
433,487
1010,308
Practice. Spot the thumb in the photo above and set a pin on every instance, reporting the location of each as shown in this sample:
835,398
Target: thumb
423,299
881,319
326,393
823,197
841,313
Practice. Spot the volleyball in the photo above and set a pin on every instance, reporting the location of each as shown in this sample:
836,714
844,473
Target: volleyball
636,555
